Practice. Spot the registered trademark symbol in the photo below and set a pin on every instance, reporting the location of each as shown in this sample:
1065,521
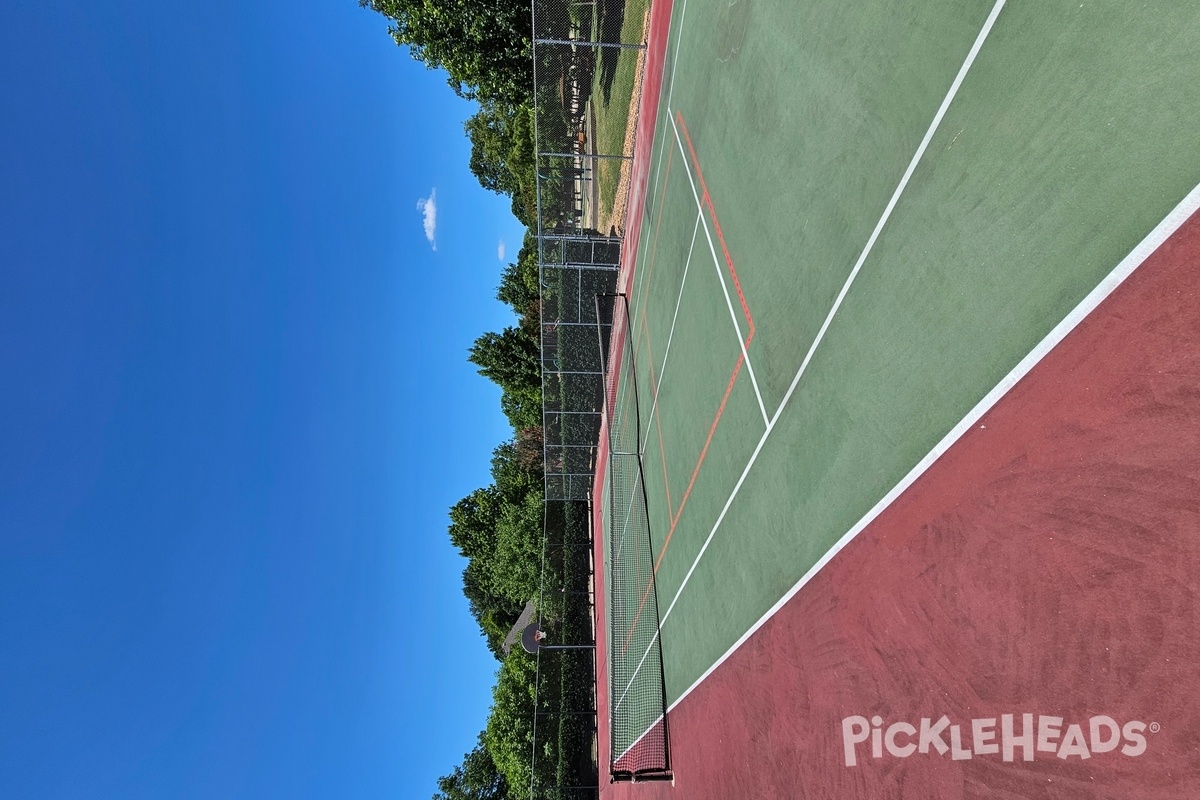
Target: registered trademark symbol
1155,727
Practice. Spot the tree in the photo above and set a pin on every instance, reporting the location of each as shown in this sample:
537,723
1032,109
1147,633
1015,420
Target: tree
502,154
509,733
473,521
510,358
499,530
516,566
522,407
522,162
530,447
491,131
484,45
476,523
519,281
494,614
477,778
512,478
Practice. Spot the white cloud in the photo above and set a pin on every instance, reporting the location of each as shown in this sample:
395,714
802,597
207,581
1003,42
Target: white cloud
428,208
500,250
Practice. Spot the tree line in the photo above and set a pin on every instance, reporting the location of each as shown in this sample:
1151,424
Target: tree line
485,47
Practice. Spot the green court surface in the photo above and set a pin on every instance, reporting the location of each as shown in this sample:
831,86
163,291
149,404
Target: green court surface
785,131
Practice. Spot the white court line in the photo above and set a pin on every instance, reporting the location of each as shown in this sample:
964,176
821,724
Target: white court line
637,480
626,330
641,269
662,148
941,112
658,385
619,402
721,276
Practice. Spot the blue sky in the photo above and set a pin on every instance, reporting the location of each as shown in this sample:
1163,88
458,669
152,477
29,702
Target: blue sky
235,404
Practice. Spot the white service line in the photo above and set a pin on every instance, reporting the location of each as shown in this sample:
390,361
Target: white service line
658,385
675,62
721,276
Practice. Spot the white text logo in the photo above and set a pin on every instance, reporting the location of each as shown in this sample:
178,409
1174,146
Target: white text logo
1009,737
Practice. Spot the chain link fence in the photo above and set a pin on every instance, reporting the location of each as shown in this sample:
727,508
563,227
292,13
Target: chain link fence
573,270
588,58
564,763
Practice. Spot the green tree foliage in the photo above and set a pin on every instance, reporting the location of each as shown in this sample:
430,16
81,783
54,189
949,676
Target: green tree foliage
523,409
510,358
523,165
477,778
519,281
473,521
491,130
513,480
493,613
502,154
499,530
509,732
519,549
484,45
521,401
